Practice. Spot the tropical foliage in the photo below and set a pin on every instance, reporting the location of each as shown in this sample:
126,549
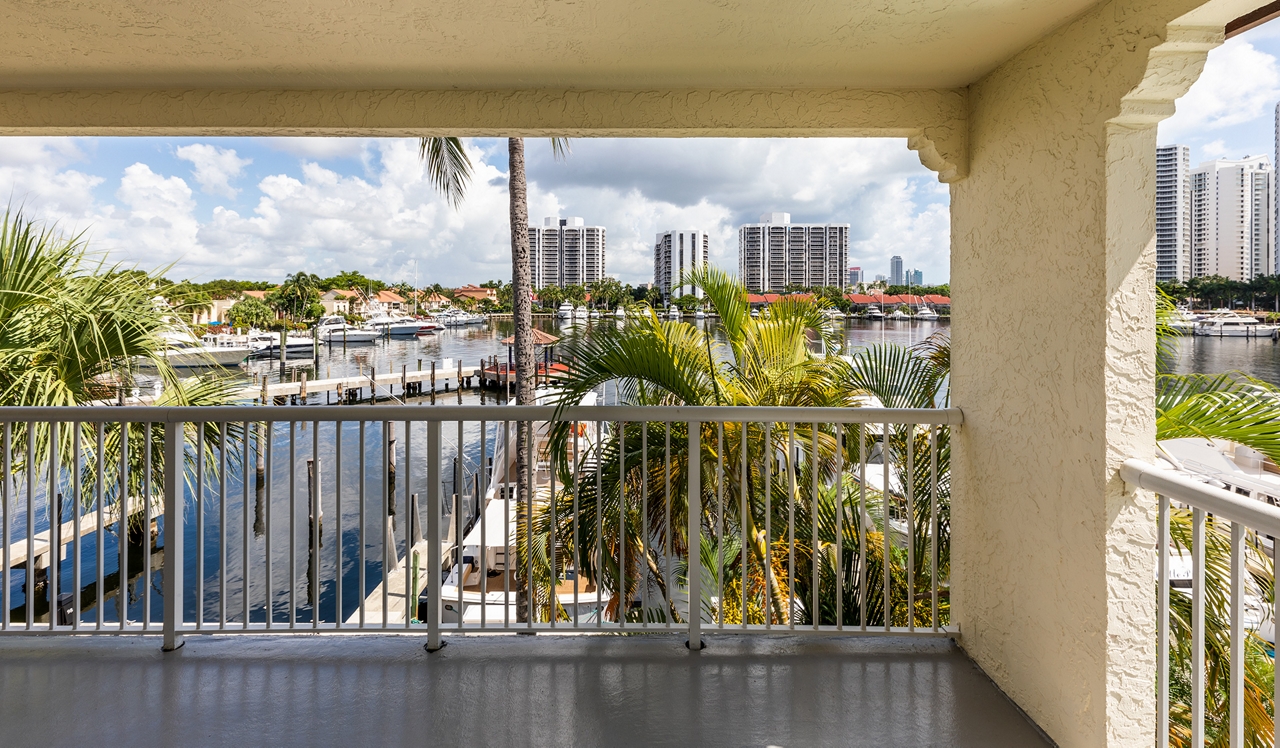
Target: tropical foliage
791,528
74,331
250,312
1235,407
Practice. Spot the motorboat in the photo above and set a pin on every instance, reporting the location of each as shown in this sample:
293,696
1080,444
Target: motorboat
266,343
394,326
581,313
675,313
335,330
430,326
565,311
926,313
1224,323
489,537
755,314
459,318
898,314
620,313
183,351
873,312
700,313
1182,321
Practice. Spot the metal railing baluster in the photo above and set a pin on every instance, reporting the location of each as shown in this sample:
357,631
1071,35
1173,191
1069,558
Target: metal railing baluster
77,499
146,528
8,504
694,535
174,501
293,524
1236,697
435,599
53,511
933,526
1197,626
200,508
1162,624
886,531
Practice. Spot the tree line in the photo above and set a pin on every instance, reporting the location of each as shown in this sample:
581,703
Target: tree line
1263,292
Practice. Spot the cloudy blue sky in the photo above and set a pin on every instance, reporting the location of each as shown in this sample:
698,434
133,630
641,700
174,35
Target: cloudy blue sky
264,207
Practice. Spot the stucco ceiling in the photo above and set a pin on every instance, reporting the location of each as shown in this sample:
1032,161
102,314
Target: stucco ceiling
505,44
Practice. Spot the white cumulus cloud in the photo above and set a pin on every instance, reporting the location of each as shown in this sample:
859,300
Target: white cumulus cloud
1240,83
214,168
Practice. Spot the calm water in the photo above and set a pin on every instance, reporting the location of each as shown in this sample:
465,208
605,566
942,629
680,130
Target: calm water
1205,355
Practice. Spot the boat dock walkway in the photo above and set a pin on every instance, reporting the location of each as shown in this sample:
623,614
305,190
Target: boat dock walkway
395,586
41,545
404,383
353,389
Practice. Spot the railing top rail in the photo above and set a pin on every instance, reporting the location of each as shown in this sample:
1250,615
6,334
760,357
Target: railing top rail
450,413
1217,501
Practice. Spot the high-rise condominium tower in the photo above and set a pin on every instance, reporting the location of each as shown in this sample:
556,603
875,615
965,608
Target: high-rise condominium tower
564,252
1232,215
676,253
1173,213
895,271
776,253
915,277
855,275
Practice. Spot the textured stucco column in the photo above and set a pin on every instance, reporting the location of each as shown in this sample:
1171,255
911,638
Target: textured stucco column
1053,363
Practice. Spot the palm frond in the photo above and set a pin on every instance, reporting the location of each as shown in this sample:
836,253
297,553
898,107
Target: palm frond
448,166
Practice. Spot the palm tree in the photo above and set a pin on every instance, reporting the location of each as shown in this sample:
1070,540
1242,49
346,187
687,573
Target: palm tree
450,170
74,331
635,509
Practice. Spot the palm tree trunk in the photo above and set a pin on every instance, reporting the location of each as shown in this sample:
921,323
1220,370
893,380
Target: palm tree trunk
522,317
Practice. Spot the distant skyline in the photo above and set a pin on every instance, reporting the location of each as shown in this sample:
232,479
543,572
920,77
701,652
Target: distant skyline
261,208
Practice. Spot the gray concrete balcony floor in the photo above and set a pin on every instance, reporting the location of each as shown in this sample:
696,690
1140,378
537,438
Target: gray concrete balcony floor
501,691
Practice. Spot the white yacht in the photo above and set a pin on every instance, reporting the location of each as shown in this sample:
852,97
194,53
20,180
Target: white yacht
1182,321
487,539
565,311
620,313
700,314
926,313
458,318
898,314
335,330
581,313
873,312
184,351
1224,323
675,313
595,314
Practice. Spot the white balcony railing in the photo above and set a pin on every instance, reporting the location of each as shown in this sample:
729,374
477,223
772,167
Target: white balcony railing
407,519
1219,519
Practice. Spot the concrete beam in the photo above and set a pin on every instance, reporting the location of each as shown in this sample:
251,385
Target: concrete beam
933,119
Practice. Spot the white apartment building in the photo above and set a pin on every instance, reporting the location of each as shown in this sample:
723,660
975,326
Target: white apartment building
676,253
776,253
1232,214
1173,213
565,252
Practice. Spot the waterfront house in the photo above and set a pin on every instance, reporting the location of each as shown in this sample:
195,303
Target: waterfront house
475,293
338,301
1039,115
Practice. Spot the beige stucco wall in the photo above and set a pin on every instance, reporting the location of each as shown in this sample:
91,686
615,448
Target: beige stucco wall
1053,563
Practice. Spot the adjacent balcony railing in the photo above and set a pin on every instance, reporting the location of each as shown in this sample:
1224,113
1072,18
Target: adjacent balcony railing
420,519
1202,643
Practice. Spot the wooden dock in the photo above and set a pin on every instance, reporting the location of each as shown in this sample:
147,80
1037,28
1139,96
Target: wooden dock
395,586
403,383
18,550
